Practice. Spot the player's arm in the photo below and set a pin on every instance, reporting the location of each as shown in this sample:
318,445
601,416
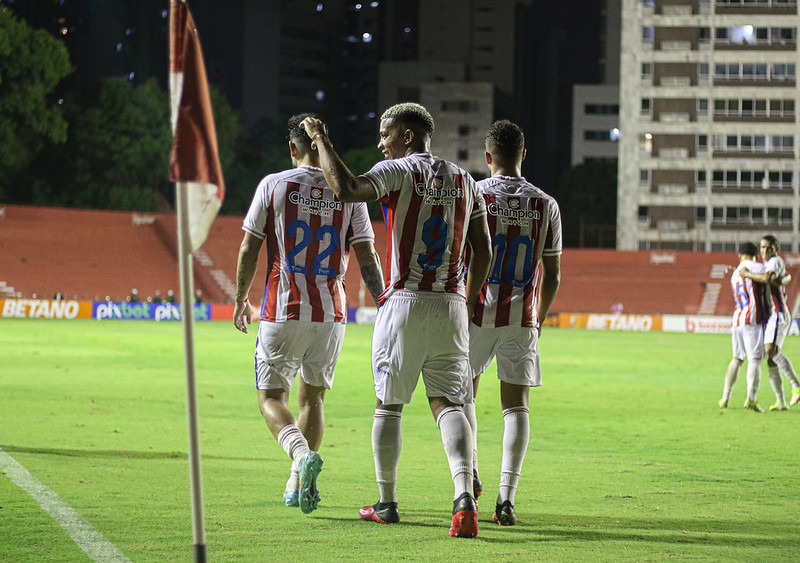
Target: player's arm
245,272
480,245
371,271
551,280
785,280
764,277
344,183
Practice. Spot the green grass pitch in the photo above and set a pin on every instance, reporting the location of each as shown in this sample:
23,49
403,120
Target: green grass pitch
629,460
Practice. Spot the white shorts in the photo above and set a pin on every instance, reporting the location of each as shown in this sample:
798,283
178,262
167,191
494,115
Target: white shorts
748,342
777,328
421,332
283,349
516,349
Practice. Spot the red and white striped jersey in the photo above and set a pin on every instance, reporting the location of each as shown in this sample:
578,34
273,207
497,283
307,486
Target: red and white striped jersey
777,295
748,295
525,224
308,233
428,204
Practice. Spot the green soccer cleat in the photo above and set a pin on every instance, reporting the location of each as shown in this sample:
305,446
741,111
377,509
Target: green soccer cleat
753,406
308,493
795,396
291,498
779,406
723,403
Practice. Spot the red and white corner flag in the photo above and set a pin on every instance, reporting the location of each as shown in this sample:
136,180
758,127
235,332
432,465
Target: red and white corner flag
194,159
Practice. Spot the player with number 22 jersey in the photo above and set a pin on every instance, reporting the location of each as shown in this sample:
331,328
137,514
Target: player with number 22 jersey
307,257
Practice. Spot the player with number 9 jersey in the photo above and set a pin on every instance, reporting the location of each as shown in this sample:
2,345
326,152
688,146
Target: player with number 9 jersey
525,224
427,203
307,257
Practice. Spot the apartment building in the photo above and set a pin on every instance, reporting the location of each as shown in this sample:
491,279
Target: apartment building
708,124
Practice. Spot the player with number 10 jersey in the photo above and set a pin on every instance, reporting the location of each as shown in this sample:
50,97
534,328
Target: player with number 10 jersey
525,224
307,257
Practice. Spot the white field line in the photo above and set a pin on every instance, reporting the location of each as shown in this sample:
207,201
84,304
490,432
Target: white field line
95,544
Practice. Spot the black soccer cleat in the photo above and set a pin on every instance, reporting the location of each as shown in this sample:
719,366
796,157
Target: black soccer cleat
465,517
504,514
381,512
477,487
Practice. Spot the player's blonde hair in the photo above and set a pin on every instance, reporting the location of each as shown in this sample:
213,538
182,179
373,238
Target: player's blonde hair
411,114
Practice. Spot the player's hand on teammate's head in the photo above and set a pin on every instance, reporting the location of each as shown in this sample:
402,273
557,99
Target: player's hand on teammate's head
313,126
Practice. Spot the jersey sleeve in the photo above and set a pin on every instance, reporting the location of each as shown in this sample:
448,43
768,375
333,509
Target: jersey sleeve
386,176
361,225
479,207
255,222
552,239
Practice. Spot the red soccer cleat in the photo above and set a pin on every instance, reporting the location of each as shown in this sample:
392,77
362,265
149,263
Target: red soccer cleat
380,512
465,517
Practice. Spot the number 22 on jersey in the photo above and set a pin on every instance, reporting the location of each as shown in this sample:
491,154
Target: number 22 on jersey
303,235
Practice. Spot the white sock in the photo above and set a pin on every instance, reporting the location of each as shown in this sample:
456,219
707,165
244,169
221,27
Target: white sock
515,443
469,412
293,442
753,379
786,368
387,441
777,383
294,478
731,375
457,441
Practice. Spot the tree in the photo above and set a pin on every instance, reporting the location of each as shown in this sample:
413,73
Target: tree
587,196
117,151
260,151
359,161
32,62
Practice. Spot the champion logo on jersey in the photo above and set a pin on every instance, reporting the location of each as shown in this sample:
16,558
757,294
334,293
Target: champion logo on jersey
438,194
322,207
512,215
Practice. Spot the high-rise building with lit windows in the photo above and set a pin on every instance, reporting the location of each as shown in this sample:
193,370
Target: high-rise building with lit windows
708,120
467,71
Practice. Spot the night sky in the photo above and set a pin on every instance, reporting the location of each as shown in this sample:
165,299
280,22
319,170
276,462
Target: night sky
129,38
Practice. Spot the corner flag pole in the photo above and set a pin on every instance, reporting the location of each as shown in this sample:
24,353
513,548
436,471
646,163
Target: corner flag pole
199,190
187,314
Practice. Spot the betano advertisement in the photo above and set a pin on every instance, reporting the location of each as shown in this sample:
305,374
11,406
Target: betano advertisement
116,310
100,310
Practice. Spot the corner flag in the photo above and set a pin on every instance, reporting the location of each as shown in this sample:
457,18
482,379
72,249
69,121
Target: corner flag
199,188
194,158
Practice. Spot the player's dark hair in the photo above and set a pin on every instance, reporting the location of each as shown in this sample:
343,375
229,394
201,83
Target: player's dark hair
411,114
771,239
506,139
297,135
748,249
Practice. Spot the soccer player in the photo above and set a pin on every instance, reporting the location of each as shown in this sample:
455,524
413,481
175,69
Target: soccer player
747,328
433,211
303,313
525,225
777,327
